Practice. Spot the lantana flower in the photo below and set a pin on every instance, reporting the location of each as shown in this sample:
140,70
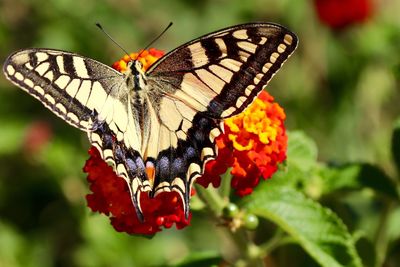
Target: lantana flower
339,14
253,143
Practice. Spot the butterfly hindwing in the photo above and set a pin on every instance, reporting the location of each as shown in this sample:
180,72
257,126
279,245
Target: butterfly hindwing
127,162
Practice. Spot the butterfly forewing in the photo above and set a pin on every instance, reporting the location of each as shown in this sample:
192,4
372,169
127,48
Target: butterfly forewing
73,87
221,73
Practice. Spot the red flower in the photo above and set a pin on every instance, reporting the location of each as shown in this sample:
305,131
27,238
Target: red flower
254,143
341,13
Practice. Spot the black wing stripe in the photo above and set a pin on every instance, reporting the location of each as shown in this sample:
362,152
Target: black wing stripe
33,60
212,49
69,65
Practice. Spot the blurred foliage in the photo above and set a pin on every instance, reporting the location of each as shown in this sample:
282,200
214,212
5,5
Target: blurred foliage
340,87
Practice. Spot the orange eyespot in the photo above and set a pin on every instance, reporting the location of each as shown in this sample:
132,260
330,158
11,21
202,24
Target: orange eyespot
151,172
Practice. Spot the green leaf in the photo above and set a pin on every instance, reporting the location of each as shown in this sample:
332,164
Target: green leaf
301,161
302,151
63,158
396,144
356,177
317,229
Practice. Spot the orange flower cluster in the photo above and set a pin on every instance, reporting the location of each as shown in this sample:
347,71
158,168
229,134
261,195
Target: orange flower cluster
146,57
254,143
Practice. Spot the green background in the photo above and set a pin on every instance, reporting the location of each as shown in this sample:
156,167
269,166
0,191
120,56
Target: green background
340,87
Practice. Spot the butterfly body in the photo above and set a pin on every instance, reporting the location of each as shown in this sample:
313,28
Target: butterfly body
157,128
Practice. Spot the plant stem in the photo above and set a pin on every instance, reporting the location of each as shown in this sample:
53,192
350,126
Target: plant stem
279,239
210,196
225,188
250,253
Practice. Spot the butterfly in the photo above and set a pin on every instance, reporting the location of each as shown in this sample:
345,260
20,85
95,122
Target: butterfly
157,128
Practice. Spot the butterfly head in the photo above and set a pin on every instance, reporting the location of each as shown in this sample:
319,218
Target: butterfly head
136,75
137,65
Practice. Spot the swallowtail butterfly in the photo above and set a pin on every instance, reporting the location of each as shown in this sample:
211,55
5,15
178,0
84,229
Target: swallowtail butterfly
157,128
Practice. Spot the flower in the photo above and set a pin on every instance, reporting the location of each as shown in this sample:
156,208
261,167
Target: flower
253,144
110,193
146,57
338,14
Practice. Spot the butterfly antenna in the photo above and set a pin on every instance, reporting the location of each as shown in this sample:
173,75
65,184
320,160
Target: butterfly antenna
109,36
155,39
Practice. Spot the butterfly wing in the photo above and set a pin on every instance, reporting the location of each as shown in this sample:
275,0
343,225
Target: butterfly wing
73,87
222,72
202,82
88,95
